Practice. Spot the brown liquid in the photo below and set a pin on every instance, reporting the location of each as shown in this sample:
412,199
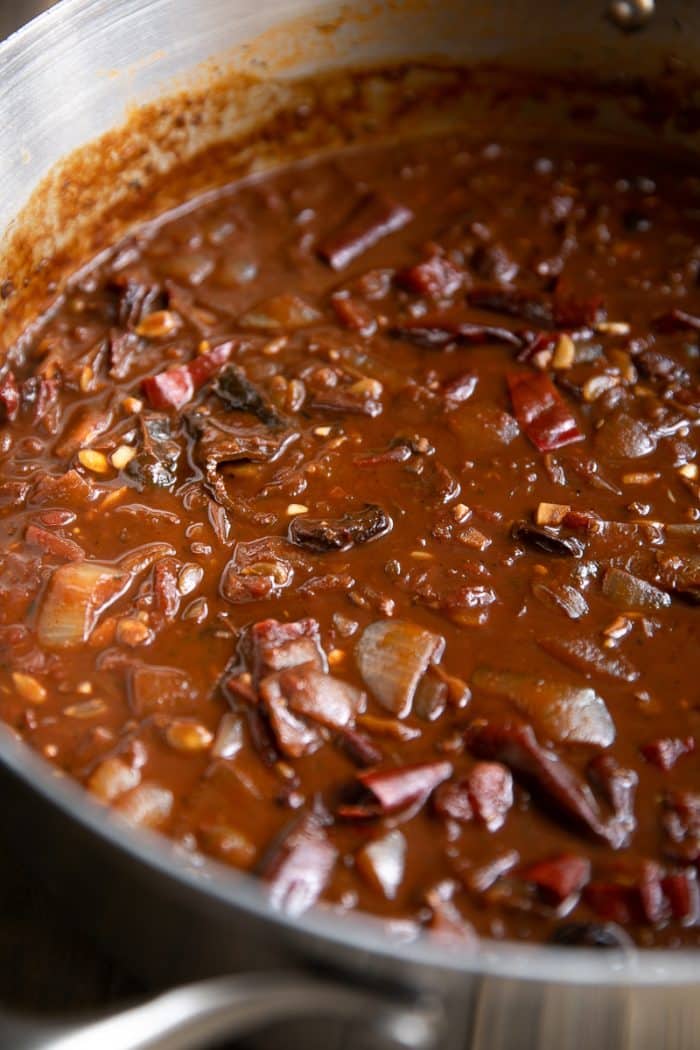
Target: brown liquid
601,244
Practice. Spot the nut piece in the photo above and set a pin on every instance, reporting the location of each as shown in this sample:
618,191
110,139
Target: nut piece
564,353
86,709
189,579
133,632
188,736
92,460
29,688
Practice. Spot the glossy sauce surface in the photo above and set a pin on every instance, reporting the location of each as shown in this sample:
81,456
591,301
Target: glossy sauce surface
435,406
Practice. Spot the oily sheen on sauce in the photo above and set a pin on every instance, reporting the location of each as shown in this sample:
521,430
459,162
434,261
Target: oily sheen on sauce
350,535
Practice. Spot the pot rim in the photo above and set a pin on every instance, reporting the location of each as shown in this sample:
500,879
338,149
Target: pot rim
359,932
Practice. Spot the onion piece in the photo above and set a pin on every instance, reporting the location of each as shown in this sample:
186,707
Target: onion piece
567,713
393,656
230,736
147,806
629,592
112,778
78,592
588,657
282,311
561,596
383,863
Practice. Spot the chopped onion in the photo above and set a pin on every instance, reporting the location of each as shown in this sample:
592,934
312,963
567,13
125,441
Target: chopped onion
159,689
383,862
147,806
282,311
113,778
229,736
629,592
565,712
393,656
561,596
78,592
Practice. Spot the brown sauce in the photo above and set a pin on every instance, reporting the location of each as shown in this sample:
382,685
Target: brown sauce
435,406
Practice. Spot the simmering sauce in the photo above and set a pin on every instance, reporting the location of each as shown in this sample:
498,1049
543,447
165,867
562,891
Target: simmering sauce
349,526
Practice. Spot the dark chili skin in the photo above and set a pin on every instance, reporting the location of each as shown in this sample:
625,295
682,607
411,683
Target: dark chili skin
473,341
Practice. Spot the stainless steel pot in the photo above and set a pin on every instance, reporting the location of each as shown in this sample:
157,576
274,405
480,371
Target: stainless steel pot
66,79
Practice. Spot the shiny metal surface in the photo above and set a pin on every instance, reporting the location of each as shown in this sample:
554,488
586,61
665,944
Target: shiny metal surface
69,77
198,1015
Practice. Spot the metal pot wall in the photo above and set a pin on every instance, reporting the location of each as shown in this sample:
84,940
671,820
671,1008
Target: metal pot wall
67,79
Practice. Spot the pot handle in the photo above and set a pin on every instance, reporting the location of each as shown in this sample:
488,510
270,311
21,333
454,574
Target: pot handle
199,1015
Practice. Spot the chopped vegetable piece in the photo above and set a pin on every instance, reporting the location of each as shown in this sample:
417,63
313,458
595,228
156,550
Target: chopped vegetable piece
541,412
77,595
585,655
629,592
392,657
383,862
564,712
147,806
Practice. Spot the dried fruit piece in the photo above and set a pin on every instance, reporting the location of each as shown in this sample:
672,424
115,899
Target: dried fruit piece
340,534
558,878
77,595
516,746
298,867
485,795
